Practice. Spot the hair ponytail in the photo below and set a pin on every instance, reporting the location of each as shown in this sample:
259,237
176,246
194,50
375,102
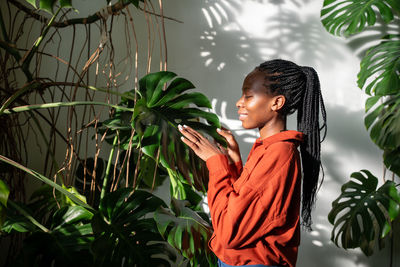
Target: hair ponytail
308,123
301,88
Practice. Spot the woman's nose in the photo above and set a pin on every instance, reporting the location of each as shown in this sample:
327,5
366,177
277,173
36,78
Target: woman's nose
239,103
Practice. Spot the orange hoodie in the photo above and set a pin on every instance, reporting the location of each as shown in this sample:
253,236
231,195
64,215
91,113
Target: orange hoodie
255,211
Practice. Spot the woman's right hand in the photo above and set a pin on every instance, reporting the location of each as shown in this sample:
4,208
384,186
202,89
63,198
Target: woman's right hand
232,145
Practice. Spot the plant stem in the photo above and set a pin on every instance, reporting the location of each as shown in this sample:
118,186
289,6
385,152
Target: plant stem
47,181
105,181
114,9
26,60
10,48
62,104
127,96
35,85
3,28
177,190
44,139
28,216
17,94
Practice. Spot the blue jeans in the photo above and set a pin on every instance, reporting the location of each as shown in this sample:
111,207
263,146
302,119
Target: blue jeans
222,264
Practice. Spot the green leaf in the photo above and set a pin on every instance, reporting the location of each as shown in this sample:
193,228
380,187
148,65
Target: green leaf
32,2
177,86
65,3
136,2
384,123
362,215
346,17
74,192
371,101
156,92
184,100
391,158
70,215
125,229
383,63
46,180
47,5
4,193
184,229
156,116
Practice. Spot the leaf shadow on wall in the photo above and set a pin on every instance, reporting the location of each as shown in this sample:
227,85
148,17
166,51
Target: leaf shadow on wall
288,34
227,47
347,138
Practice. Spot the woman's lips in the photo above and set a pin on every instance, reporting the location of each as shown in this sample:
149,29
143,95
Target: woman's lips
242,116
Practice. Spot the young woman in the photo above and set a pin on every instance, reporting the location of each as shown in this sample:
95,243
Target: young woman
255,209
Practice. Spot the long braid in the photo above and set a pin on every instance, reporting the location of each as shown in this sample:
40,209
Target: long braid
301,88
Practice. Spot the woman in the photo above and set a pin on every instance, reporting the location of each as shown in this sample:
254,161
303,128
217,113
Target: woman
255,210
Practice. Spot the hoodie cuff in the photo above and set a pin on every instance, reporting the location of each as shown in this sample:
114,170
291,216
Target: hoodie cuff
218,164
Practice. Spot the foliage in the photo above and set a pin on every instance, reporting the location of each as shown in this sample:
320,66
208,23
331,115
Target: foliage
116,236
92,211
366,212
382,59
185,229
158,112
121,233
355,15
124,232
4,193
363,214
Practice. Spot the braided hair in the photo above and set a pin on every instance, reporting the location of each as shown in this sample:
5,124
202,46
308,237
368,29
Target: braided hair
301,88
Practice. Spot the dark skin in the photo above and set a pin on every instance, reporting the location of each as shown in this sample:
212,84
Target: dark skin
256,109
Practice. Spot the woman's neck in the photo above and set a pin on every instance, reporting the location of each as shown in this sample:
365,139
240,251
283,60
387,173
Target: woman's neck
272,127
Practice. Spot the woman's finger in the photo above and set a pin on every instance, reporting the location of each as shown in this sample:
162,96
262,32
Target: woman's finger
188,134
189,143
226,134
195,133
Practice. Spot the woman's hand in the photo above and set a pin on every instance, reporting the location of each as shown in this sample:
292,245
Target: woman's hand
198,143
233,147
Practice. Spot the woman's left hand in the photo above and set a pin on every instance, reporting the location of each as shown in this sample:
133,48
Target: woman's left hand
198,143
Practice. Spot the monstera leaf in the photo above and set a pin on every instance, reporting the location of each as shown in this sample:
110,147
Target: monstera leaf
363,214
49,4
161,106
346,17
125,233
67,240
185,230
382,60
391,158
384,125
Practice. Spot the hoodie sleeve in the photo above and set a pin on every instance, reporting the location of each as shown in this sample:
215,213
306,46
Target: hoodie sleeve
249,209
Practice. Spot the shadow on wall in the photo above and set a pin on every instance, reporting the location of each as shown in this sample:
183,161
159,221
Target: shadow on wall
347,136
243,33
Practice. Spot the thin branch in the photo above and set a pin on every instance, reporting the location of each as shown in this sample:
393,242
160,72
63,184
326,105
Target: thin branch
26,60
62,104
112,10
3,28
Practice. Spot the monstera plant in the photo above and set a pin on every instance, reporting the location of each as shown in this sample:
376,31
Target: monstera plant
97,208
116,230
363,214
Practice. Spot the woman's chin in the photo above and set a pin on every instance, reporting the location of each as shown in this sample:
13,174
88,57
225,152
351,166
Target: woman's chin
247,126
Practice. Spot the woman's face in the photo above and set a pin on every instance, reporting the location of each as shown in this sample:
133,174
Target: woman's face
255,106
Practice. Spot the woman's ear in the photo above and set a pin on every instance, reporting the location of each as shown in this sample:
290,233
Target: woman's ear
278,102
